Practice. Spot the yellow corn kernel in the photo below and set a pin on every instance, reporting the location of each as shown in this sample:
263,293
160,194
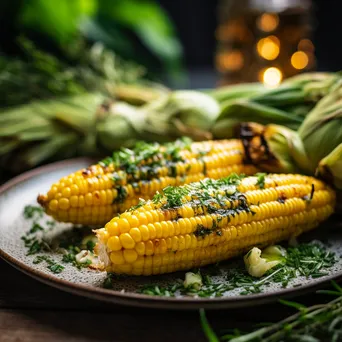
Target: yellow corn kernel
53,205
124,225
127,241
135,234
117,258
130,255
63,204
114,243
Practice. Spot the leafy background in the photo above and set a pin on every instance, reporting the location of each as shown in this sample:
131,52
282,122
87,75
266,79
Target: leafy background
138,30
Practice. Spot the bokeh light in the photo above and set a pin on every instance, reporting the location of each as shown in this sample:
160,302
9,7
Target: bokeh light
230,61
306,45
299,60
268,22
269,47
271,77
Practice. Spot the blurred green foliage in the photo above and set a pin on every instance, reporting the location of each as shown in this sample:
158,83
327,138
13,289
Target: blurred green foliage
138,30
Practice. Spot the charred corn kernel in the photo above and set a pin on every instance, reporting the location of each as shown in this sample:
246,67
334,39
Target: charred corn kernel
228,217
118,188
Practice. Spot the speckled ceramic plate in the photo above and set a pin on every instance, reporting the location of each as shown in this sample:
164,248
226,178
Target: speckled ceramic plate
23,190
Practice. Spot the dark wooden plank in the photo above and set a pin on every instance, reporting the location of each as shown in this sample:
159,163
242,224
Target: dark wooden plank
17,290
37,326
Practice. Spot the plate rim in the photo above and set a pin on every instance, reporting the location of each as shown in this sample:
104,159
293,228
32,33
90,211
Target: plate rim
137,299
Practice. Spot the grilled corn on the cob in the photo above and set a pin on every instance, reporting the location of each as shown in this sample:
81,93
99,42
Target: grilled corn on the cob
94,195
209,221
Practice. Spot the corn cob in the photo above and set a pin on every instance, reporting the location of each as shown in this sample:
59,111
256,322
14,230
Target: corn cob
94,195
209,221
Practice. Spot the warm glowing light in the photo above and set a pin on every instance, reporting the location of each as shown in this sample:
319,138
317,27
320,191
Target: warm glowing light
271,77
268,22
306,45
299,60
233,30
230,61
269,47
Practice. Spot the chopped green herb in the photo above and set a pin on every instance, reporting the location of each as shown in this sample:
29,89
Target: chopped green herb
34,248
157,198
122,194
261,180
309,260
35,228
90,245
139,205
33,212
156,290
106,162
53,266
56,268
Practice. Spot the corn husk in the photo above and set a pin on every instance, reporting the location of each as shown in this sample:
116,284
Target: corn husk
330,167
286,105
137,94
120,126
235,112
321,131
183,112
45,130
274,148
316,149
236,91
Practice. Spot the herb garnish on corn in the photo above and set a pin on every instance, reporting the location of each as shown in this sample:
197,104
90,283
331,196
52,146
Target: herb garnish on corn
209,221
95,194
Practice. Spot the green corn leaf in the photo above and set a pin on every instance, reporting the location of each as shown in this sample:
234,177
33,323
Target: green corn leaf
48,149
7,146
